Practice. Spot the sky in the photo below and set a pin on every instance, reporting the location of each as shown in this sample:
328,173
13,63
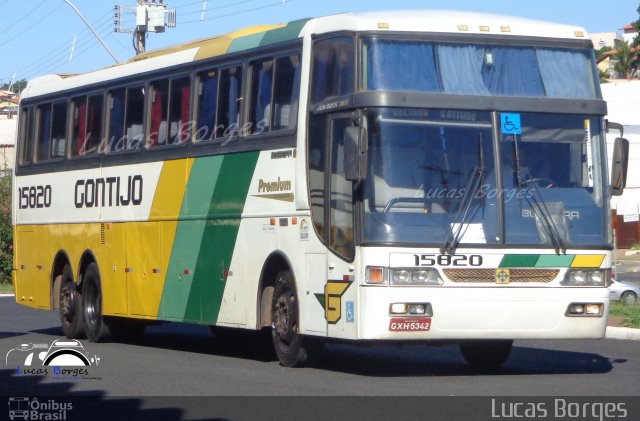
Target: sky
47,36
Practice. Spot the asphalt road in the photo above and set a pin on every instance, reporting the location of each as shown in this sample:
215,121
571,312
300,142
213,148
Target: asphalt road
186,360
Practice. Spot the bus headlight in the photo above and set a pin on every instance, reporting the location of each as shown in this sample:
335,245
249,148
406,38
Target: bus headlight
586,277
421,276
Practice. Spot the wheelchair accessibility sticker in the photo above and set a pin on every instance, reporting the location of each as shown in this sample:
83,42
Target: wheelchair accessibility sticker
510,123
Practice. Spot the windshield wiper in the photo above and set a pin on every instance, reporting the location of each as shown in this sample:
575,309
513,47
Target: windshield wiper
540,208
471,189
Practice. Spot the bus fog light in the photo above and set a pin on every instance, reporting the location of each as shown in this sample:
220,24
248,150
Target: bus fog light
576,309
585,310
593,309
416,309
398,308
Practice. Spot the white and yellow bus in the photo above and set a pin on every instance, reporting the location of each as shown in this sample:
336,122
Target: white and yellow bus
400,176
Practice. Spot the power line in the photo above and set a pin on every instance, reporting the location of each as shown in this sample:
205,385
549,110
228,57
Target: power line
18,21
198,12
280,3
62,49
30,27
61,59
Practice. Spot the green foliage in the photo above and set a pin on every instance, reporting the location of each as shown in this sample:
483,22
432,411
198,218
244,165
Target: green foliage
6,230
18,86
625,60
630,314
604,76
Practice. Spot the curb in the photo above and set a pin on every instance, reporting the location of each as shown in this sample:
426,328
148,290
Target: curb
7,295
623,333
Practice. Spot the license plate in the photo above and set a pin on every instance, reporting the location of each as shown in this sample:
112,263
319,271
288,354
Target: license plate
410,324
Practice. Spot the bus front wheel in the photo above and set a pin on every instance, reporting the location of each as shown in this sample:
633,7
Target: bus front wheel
487,353
95,326
287,341
71,317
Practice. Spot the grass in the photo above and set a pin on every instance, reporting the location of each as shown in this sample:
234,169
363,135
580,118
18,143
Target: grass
630,313
6,288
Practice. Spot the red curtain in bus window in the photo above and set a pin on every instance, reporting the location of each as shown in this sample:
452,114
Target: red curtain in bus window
81,145
184,113
156,117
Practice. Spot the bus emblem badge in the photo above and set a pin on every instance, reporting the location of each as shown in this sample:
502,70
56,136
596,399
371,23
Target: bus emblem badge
502,276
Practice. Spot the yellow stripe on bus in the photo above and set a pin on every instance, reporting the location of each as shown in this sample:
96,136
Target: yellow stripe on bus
587,261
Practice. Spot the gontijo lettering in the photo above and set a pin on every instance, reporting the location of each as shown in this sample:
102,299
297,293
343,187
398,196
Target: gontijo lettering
109,191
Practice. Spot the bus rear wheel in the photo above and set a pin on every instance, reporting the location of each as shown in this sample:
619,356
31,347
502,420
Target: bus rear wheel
71,317
287,341
95,327
487,353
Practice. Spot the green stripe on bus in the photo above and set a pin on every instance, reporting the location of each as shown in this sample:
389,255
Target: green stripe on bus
286,33
245,43
189,232
551,260
219,237
519,260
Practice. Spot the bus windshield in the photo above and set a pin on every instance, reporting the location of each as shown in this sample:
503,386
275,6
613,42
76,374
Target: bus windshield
433,179
484,70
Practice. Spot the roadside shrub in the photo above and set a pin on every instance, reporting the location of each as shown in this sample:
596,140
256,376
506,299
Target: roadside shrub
6,230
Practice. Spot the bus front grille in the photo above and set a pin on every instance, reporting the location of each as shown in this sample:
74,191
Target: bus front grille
488,276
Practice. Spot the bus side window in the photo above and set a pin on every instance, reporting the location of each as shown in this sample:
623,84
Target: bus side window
179,108
261,93
333,68
207,105
87,125
286,92
79,124
134,118
169,120
159,113
94,124
116,120
59,130
43,132
228,102
26,136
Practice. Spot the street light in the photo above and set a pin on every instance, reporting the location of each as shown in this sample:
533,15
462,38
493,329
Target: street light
104,44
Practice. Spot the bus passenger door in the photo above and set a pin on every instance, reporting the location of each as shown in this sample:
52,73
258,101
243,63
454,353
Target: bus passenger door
332,215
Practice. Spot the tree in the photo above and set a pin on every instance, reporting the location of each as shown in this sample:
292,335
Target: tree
625,60
6,229
18,86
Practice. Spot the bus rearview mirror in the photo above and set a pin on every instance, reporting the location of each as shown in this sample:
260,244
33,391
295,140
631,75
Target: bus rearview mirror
619,166
355,153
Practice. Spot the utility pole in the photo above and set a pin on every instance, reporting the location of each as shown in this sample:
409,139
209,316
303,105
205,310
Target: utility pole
140,35
150,16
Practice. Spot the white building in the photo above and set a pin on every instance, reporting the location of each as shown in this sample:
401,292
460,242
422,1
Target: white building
8,128
623,102
606,39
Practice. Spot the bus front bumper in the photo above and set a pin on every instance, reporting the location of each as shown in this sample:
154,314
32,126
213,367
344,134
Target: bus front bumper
482,313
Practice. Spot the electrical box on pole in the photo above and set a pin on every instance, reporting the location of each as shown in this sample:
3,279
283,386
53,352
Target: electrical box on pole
148,16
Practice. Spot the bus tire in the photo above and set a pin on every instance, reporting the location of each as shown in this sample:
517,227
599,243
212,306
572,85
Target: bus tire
95,327
288,343
486,353
71,317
